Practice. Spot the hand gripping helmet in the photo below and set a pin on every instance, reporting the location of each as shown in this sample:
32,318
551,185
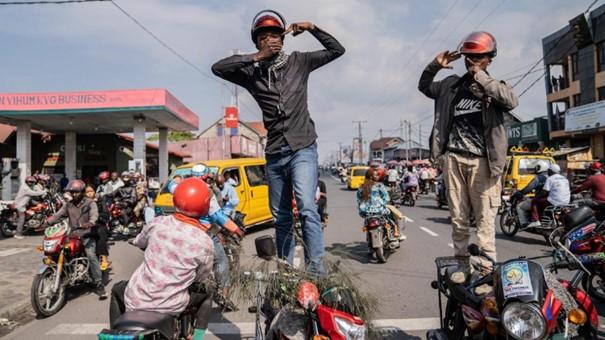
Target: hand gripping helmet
75,185
192,198
479,43
265,20
104,175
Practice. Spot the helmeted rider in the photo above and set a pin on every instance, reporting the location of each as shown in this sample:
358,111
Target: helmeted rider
555,192
104,191
410,181
82,215
24,195
373,199
127,197
115,181
595,183
178,256
536,184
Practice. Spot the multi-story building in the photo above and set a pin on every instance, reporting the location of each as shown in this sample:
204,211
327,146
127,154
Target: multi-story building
575,84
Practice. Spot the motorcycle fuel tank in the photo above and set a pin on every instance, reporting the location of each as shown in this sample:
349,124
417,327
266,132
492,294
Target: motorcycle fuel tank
75,245
519,280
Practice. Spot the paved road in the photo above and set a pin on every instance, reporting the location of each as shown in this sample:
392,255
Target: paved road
408,304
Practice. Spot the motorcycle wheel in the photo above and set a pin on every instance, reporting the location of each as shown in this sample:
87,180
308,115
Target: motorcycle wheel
41,287
595,286
7,229
507,225
380,255
412,202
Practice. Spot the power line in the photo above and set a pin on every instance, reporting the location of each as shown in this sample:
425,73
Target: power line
489,14
168,47
57,2
520,75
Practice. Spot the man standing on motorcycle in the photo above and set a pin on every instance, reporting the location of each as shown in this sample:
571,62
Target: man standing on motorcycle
373,197
82,215
470,136
178,256
536,185
24,195
555,192
596,184
278,82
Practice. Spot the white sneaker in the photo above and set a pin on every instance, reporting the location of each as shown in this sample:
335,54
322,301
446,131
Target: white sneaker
534,224
402,237
18,237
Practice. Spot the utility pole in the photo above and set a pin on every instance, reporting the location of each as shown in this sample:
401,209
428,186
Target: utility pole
360,139
235,87
380,131
419,141
409,138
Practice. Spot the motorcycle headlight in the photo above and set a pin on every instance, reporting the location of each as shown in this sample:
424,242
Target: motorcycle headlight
350,330
50,245
523,321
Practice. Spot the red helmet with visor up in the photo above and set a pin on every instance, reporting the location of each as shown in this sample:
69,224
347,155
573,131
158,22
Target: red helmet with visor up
596,166
192,197
479,43
104,175
267,20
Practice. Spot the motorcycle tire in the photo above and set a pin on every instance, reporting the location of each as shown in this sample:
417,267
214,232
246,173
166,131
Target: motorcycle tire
7,229
380,255
412,202
38,286
507,225
588,284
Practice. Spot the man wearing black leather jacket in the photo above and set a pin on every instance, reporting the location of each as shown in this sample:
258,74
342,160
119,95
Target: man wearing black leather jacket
127,197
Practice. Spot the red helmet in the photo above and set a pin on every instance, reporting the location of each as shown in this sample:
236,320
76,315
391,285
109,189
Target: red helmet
192,197
30,180
381,172
75,185
104,175
267,19
43,177
596,166
479,43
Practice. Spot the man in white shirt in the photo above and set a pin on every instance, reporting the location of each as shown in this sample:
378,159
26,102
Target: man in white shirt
393,174
555,192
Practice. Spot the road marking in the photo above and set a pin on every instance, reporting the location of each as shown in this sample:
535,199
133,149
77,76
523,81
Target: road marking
13,251
246,328
429,231
407,219
451,245
335,178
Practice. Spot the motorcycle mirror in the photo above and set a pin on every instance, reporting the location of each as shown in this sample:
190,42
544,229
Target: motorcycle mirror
474,250
14,164
265,247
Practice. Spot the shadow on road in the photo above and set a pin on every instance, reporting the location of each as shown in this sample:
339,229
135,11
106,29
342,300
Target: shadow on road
218,317
522,239
440,220
390,333
357,251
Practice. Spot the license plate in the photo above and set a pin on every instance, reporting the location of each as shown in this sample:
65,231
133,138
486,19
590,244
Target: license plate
49,246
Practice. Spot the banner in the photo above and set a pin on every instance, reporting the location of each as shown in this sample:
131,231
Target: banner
585,117
231,118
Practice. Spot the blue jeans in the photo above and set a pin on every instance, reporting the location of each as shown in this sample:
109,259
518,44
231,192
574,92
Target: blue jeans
288,172
221,264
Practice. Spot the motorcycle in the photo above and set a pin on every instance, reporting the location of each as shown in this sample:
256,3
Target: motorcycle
511,223
522,301
115,226
153,325
64,265
395,195
409,196
289,307
37,212
380,235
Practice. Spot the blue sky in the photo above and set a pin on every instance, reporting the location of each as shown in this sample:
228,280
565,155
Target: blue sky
93,46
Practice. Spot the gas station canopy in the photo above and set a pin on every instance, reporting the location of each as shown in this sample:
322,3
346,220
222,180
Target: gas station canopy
97,111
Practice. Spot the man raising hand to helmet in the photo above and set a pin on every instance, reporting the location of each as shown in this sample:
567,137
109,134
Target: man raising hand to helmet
278,83
469,134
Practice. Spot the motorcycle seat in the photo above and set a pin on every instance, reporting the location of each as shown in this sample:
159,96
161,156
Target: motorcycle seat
143,320
577,217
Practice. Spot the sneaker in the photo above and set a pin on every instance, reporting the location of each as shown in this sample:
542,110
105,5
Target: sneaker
104,263
402,237
534,224
18,237
100,291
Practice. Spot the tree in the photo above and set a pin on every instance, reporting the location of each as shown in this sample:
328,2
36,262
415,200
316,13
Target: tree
174,136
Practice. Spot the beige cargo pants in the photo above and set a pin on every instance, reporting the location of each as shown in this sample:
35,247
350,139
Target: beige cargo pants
472,189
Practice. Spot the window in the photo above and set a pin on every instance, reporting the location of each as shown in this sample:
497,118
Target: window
256,175
574,67
601,56
527,166
576,100
601,94
359,172
232,173
183,173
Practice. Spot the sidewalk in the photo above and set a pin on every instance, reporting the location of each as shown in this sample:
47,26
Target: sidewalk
19,262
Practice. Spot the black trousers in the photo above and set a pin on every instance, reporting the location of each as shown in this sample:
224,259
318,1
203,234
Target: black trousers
321,207
99,232
201,301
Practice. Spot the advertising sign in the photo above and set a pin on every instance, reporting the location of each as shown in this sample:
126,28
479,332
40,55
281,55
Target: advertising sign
585,117
231,118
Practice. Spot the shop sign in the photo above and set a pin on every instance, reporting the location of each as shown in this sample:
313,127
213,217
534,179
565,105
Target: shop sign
585,117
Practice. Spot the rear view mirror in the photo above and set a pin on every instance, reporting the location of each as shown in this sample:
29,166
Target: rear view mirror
265,247
14,164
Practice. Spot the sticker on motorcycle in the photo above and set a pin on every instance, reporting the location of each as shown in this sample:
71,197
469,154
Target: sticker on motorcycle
516,280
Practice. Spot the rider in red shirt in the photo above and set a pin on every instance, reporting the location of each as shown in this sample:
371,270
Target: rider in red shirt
594,183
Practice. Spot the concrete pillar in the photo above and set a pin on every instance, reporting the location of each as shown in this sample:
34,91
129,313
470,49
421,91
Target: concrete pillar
163,154
70,154
139,142
24,149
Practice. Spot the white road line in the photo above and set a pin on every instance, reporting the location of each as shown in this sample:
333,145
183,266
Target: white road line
335,178
13,251
429,231
407,219
451,245
245,328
